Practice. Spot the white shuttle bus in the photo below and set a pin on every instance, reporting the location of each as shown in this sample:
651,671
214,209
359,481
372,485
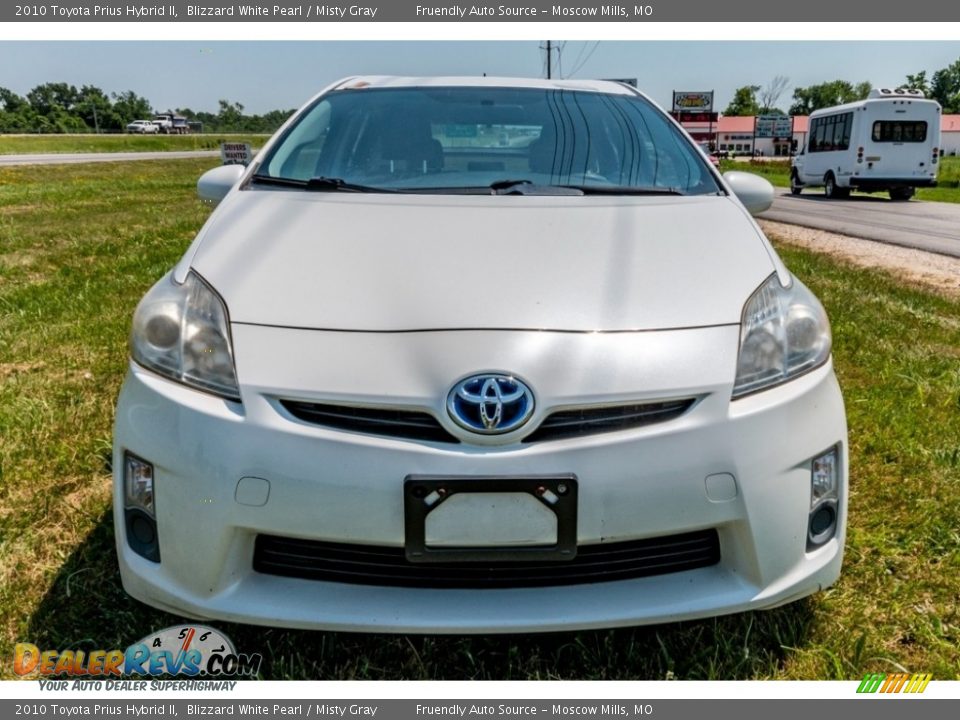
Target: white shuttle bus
890,141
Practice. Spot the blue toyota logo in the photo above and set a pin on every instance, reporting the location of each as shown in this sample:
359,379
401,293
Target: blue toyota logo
490,404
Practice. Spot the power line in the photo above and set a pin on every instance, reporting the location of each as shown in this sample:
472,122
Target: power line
580,54
589,55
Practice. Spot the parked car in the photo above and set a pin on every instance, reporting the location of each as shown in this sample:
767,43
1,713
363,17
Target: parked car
412,378
142,127
705,148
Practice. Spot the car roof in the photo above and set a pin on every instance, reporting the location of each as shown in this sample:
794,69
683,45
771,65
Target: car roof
389,81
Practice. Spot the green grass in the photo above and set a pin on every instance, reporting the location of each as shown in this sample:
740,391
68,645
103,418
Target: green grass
778,173
28,144
80,244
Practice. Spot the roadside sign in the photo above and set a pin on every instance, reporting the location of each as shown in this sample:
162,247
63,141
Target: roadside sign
774,126
693,101
235,153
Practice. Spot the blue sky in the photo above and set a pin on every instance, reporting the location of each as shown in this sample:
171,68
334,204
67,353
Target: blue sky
281,75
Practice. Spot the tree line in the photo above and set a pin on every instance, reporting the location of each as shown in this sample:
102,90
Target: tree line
63,108
943,86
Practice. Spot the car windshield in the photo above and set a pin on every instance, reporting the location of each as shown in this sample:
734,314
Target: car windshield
467,139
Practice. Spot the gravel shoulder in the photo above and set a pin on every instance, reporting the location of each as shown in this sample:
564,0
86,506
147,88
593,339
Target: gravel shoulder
931,271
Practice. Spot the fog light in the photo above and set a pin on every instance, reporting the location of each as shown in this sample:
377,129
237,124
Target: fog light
824,477
142,530
822,519
824,496
138,483
138,511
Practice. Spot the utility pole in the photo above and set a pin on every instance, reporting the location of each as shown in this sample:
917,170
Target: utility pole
549,59
96,123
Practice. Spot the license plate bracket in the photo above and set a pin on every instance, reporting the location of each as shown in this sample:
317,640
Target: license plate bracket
423,494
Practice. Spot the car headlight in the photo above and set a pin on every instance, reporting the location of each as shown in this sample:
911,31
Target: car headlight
784,332
182,332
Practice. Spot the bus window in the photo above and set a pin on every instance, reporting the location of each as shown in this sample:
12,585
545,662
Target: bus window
899,131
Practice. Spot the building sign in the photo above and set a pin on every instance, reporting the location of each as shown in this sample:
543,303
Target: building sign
696,117
235,153
773,126
693,101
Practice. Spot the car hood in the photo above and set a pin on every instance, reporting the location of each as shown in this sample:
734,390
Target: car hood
378,262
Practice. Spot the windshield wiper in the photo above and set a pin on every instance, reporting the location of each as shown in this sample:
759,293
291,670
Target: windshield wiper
626,190
340,185
507,184
529,187
320,184
283,182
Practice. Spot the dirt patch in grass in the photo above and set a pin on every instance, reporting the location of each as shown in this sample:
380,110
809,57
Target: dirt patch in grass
929,271
8,369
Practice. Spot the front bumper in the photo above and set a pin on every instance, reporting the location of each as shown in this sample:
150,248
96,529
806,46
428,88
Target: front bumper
346,487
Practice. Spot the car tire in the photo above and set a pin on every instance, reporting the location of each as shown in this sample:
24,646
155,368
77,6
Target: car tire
901,193
795,186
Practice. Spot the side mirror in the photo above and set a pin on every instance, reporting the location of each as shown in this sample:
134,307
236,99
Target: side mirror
214,184
755,192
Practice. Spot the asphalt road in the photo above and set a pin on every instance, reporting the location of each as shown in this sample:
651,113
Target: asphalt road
70,158
930,226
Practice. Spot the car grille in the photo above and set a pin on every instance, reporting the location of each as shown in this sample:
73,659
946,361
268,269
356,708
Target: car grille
409,424
419,425
590,421
388,566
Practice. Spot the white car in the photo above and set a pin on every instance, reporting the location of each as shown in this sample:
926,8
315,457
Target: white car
143,127
411,378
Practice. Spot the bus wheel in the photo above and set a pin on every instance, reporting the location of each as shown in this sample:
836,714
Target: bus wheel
830,186
832,190
901,193
795,187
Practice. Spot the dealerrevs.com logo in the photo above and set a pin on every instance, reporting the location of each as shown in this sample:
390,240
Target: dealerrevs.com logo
185,650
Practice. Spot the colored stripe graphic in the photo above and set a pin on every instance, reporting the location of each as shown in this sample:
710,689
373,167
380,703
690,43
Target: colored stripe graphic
896,683
918,683
871,682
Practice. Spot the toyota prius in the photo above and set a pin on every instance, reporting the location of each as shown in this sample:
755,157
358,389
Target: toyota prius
478,355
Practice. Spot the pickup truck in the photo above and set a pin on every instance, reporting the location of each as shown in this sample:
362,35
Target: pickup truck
142,127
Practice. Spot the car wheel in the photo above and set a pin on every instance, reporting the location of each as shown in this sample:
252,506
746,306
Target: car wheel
902,193
795,186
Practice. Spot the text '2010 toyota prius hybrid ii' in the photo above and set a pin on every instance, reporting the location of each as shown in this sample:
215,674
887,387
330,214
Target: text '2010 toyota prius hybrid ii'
460,355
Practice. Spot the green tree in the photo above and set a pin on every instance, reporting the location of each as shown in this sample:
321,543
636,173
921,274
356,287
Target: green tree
10,101
128,106
16,115
50,97
94,108
230,116
828,94
744,101
945,87
917,81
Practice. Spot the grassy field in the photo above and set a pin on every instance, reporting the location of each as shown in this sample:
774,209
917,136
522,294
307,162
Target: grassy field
778,173
80,244
28,144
